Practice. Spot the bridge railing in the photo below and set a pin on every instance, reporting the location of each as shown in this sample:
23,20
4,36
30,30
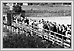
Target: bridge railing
55,37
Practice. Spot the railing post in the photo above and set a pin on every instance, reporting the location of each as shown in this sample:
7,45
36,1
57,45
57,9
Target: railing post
62,41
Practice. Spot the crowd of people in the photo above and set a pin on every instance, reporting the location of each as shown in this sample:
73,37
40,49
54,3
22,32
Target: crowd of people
41,25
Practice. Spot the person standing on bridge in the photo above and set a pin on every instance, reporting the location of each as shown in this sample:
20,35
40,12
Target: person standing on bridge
40,26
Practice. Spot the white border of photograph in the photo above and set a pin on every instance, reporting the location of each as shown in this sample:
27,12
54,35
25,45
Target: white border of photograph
37,48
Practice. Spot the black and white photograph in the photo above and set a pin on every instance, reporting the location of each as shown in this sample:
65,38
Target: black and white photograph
36,25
